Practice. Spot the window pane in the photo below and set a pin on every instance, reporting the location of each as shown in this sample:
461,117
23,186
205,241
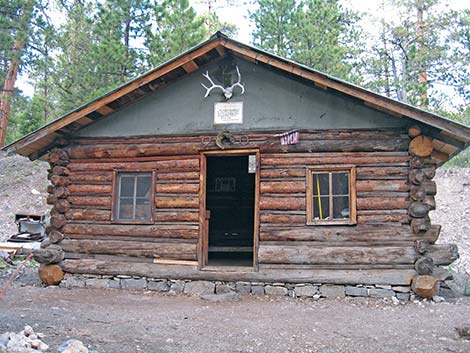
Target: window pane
321,184
142,209
340,183
144,184
127,186
126,208
341,207
321,207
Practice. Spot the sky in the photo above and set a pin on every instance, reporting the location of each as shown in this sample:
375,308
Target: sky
237,12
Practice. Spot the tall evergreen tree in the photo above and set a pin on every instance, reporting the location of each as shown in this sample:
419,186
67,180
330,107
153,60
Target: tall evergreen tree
274,23
177,29
421,50
18,15
318,33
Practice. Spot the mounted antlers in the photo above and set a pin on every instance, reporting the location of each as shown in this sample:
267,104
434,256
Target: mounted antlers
228,91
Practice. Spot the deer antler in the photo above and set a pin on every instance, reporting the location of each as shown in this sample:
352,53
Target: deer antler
209,89
238,83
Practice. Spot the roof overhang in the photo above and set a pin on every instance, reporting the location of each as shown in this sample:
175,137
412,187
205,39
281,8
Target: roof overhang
449,137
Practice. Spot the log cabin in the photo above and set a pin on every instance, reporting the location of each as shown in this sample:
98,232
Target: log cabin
231,164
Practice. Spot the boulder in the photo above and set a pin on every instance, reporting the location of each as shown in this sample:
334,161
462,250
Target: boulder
199,287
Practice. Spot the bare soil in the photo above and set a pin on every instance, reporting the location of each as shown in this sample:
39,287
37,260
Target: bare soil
119,321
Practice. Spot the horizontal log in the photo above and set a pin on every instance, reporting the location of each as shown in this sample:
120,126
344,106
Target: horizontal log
57,180
382,218
374,144
61,205
176,216
158,231
279,203
381,172
89,189
60,192
430,187
58,221
418,209
414,131
283,219
266,144
360,232
385,276
353,255
356,158
160,165
133,150
282,187
59,170
55,236
381,185
178,176
85,214
90,200
319,255
417,176
417,193
420,225
177,188
377,203
50,255
177,202
181,251
283,173
421,146
58,155
87,177
442,254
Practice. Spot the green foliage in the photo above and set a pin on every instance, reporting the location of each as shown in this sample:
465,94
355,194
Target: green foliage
178,29
318,33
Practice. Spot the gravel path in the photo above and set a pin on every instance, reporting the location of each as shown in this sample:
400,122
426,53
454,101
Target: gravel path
118,321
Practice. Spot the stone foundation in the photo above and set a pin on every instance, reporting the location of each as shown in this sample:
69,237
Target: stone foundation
305,290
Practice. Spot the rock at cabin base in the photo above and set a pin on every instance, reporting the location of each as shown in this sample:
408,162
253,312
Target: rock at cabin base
50,275
199,288
425,286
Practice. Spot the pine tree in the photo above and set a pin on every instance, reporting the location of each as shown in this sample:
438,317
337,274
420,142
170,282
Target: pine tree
178,28
17,20
318,33
274,22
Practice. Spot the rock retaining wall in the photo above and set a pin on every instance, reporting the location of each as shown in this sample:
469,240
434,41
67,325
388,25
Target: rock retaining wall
306,290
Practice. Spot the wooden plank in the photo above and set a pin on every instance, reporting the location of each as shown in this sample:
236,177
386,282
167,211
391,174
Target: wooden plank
190,66
105,110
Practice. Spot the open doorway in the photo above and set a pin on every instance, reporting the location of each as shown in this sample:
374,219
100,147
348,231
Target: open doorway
230,198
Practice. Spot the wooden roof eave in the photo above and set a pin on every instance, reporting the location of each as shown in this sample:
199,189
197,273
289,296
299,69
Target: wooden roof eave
445,130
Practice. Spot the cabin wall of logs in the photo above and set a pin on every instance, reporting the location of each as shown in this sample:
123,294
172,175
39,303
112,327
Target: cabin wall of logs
392,240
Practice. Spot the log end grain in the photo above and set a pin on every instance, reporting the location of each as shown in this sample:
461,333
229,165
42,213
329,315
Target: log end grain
421,146
50,275
425,286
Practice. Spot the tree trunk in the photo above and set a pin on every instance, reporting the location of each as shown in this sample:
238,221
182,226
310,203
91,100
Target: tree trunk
12,73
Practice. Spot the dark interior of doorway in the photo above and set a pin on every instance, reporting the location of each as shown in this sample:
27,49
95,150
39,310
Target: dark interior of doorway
230,199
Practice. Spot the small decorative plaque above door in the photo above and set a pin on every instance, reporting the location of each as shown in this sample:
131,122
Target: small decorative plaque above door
228,113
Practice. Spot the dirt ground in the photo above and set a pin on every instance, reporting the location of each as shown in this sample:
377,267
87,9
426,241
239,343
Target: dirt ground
118,321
